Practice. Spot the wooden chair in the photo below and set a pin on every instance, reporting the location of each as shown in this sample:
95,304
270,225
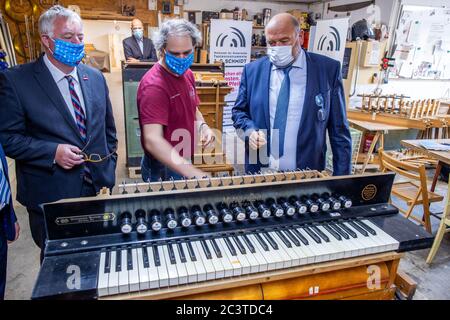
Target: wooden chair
413,191
445,223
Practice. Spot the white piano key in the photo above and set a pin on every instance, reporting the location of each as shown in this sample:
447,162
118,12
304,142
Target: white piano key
181,267
346,246
309,255
190,266
287,260
254,265
271,261
319,253
199,267
216,261
235,263
339,248
113,279
370,246
144,280
226,263
242,259
123,274
133,274
102,284
200,254
392,244
303,258
288,252
162,268
262,262
171,268
153,272
280,261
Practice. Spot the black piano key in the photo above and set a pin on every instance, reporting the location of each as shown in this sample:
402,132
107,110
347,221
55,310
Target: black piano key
206,249
300,237
272,242
262,242
321,234
366,227
191,251
248,243
171,254
339,230
156,256
216,248
181,252
348,230
332,232
230,246
311,233
284,239
145,257
239,245
358,228
107,261
119,260
291,237
129,259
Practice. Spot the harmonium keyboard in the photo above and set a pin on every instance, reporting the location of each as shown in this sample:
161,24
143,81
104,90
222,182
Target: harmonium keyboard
272,236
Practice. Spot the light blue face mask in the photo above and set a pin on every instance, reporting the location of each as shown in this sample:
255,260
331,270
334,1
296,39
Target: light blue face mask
68,53
178,65
138,34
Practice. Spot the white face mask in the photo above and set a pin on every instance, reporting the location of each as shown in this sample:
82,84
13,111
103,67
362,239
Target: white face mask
280,56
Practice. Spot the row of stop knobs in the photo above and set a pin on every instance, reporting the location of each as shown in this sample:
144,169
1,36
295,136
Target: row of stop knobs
184,217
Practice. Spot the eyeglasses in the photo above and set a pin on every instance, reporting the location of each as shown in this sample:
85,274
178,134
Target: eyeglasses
94,157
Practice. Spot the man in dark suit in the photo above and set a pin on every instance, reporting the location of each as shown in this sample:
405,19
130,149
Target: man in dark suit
288,101
137,47
9,227
56,117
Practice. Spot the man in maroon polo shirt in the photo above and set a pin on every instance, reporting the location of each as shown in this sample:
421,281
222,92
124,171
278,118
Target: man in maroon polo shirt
167,104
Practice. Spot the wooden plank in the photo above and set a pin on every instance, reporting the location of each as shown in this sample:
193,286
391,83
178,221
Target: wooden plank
405,284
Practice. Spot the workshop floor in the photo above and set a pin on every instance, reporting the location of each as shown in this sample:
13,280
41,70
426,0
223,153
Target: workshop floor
433,282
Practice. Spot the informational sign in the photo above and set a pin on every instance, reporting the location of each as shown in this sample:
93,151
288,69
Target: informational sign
328,38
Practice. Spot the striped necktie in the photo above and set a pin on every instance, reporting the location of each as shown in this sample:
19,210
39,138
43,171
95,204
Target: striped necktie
80,119
5,191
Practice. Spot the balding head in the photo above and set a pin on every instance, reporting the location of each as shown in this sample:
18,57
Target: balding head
136,24
284,30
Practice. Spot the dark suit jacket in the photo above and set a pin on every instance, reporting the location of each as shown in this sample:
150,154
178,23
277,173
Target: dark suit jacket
251,112
35,119
7,215
131,49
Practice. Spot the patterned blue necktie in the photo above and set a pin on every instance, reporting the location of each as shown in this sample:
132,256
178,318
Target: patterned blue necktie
282,111
5,191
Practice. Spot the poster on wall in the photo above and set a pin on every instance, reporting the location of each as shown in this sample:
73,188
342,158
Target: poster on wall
328,38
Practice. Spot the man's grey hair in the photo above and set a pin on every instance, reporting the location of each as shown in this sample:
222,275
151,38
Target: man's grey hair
47,19
176,27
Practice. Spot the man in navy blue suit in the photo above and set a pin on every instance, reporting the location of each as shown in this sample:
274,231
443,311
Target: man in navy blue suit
9,227
288,101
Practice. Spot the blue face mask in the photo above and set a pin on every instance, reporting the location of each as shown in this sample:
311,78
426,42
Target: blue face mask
178,65
138,34
68,53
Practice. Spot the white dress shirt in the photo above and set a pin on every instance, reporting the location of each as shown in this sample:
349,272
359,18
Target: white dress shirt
63,86
297,92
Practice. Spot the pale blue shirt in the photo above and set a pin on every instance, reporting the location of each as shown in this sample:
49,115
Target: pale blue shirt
141,44
296,100
63,86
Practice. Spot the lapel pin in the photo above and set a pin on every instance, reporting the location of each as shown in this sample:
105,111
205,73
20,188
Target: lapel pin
85,77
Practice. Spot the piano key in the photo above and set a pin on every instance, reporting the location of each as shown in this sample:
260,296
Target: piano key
263,253
370,246
191,251
145,260
319,253
199,267
283,238
300,236
270,240
216,261
391,243
264,245
320,234
123,273
248,243
303,257
230,246
278,257
334,243
291,237
171,253
171,268
118,260
129,259
153,271
200,254
107,261
254,264
226,262
339,230
181,268
216,248
345,248
245,265
206,249
366,227
181,252
290,257
313,236
113,278
133,272
358,228
239,244
233,261
144,280
103,276
331,231
348,230
161,274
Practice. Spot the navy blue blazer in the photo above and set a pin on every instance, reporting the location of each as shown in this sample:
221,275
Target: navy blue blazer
35,119
7,215
251,112
131,49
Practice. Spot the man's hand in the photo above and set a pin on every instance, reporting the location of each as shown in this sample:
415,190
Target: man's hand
206,135
197,174
257,140
132,60
68,156
17,227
